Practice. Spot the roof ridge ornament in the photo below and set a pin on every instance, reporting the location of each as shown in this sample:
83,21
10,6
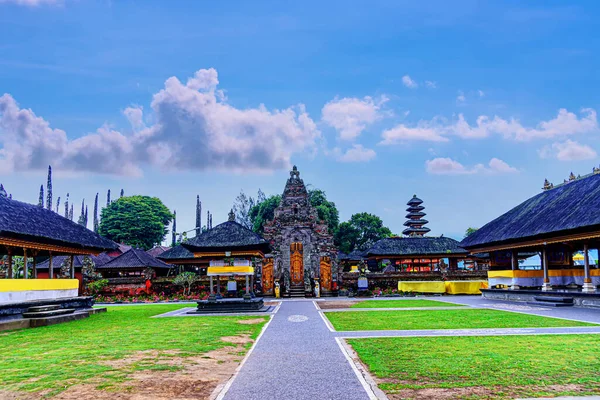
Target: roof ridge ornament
2,191
231,215
547,185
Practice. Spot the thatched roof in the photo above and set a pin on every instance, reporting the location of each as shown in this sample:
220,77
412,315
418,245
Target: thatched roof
355,255
134,258
33,223
98,260
227,236
573,207
416,246
176,253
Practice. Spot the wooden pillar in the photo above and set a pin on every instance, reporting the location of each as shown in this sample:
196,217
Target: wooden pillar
34,265
219,285
25,265
546,285
514,264
9,271
72,258
252,283
50,267
587,278
247,285
211,285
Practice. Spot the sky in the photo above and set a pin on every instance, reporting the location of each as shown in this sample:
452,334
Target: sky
469,105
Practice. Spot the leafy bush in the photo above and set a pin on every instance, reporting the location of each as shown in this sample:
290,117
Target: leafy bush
186,280
96,287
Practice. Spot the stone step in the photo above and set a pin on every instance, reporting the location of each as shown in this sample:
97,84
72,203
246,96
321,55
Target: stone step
549,304
57,319
48,307
51,313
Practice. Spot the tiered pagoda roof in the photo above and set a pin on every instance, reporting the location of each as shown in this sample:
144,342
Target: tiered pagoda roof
415,223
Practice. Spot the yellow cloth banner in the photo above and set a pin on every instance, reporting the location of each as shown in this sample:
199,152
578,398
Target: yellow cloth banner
422,286
465,287
230,271
24,285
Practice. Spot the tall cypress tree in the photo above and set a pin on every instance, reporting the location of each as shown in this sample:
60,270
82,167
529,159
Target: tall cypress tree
108,198
122,193
49,189
41,200
71,213
67,207
96,214
211,225
86,217
207,220
198,215
81,220
174,234
57,204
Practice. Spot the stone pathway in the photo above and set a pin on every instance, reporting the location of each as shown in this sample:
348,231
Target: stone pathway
297,358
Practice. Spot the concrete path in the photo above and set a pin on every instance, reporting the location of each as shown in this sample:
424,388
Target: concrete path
297,358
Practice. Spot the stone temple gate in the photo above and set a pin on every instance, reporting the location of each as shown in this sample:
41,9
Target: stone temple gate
303,249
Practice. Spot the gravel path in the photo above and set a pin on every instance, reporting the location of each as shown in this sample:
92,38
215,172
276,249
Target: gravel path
296,358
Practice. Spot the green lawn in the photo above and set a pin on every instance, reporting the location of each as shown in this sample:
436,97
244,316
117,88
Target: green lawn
402,304
501,366
463,318
50,358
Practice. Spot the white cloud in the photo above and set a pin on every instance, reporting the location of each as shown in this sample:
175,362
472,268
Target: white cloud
195,129
351,116
431,84
439,129
135,116
33,3
409,82
448,166
480,93
357,153
402,133
460,99
568,151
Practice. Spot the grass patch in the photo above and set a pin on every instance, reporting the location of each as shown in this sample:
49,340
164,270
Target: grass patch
403,304
508,366
51,358
464,318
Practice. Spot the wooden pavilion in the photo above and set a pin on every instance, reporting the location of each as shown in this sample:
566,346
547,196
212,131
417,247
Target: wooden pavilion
32,231
556,223
230,250
183,259
134,262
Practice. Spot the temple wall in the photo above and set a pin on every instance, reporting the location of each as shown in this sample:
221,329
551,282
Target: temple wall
17,290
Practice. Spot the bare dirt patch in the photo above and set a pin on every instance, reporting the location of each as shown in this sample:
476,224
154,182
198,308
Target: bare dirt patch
196,377
331,305
6,395
241,339
251,321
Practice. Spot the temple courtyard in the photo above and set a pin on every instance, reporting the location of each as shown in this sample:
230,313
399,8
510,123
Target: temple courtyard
427,348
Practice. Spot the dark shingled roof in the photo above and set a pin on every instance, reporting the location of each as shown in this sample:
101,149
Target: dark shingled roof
352,256
98,260
157,251
176,253
36,224
415,201
227,236
134,258
415,245
570,208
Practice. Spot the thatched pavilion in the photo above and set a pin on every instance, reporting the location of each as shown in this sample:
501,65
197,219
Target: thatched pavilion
555,223
31,231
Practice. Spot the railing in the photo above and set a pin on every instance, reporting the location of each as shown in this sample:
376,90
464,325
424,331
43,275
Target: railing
236,263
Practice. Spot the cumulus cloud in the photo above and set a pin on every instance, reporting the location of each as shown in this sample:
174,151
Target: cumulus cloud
351,116
195,129
409,82
439,129
568,151
135,116
448,166
357,153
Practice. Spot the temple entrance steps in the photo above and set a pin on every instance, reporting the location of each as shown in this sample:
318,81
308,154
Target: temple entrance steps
46,314
326,293
552,301
297,291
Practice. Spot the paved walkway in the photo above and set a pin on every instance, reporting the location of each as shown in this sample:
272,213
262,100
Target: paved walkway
297,358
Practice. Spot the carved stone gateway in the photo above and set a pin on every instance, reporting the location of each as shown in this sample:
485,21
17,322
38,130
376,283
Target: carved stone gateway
300,241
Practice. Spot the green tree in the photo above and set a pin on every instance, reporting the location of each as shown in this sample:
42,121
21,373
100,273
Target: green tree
470,230
326,209
360,232
139,221
262,212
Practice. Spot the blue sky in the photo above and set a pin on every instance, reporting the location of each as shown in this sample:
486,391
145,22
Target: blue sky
470,105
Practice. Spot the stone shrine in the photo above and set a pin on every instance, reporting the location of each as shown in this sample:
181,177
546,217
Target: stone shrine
303,252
